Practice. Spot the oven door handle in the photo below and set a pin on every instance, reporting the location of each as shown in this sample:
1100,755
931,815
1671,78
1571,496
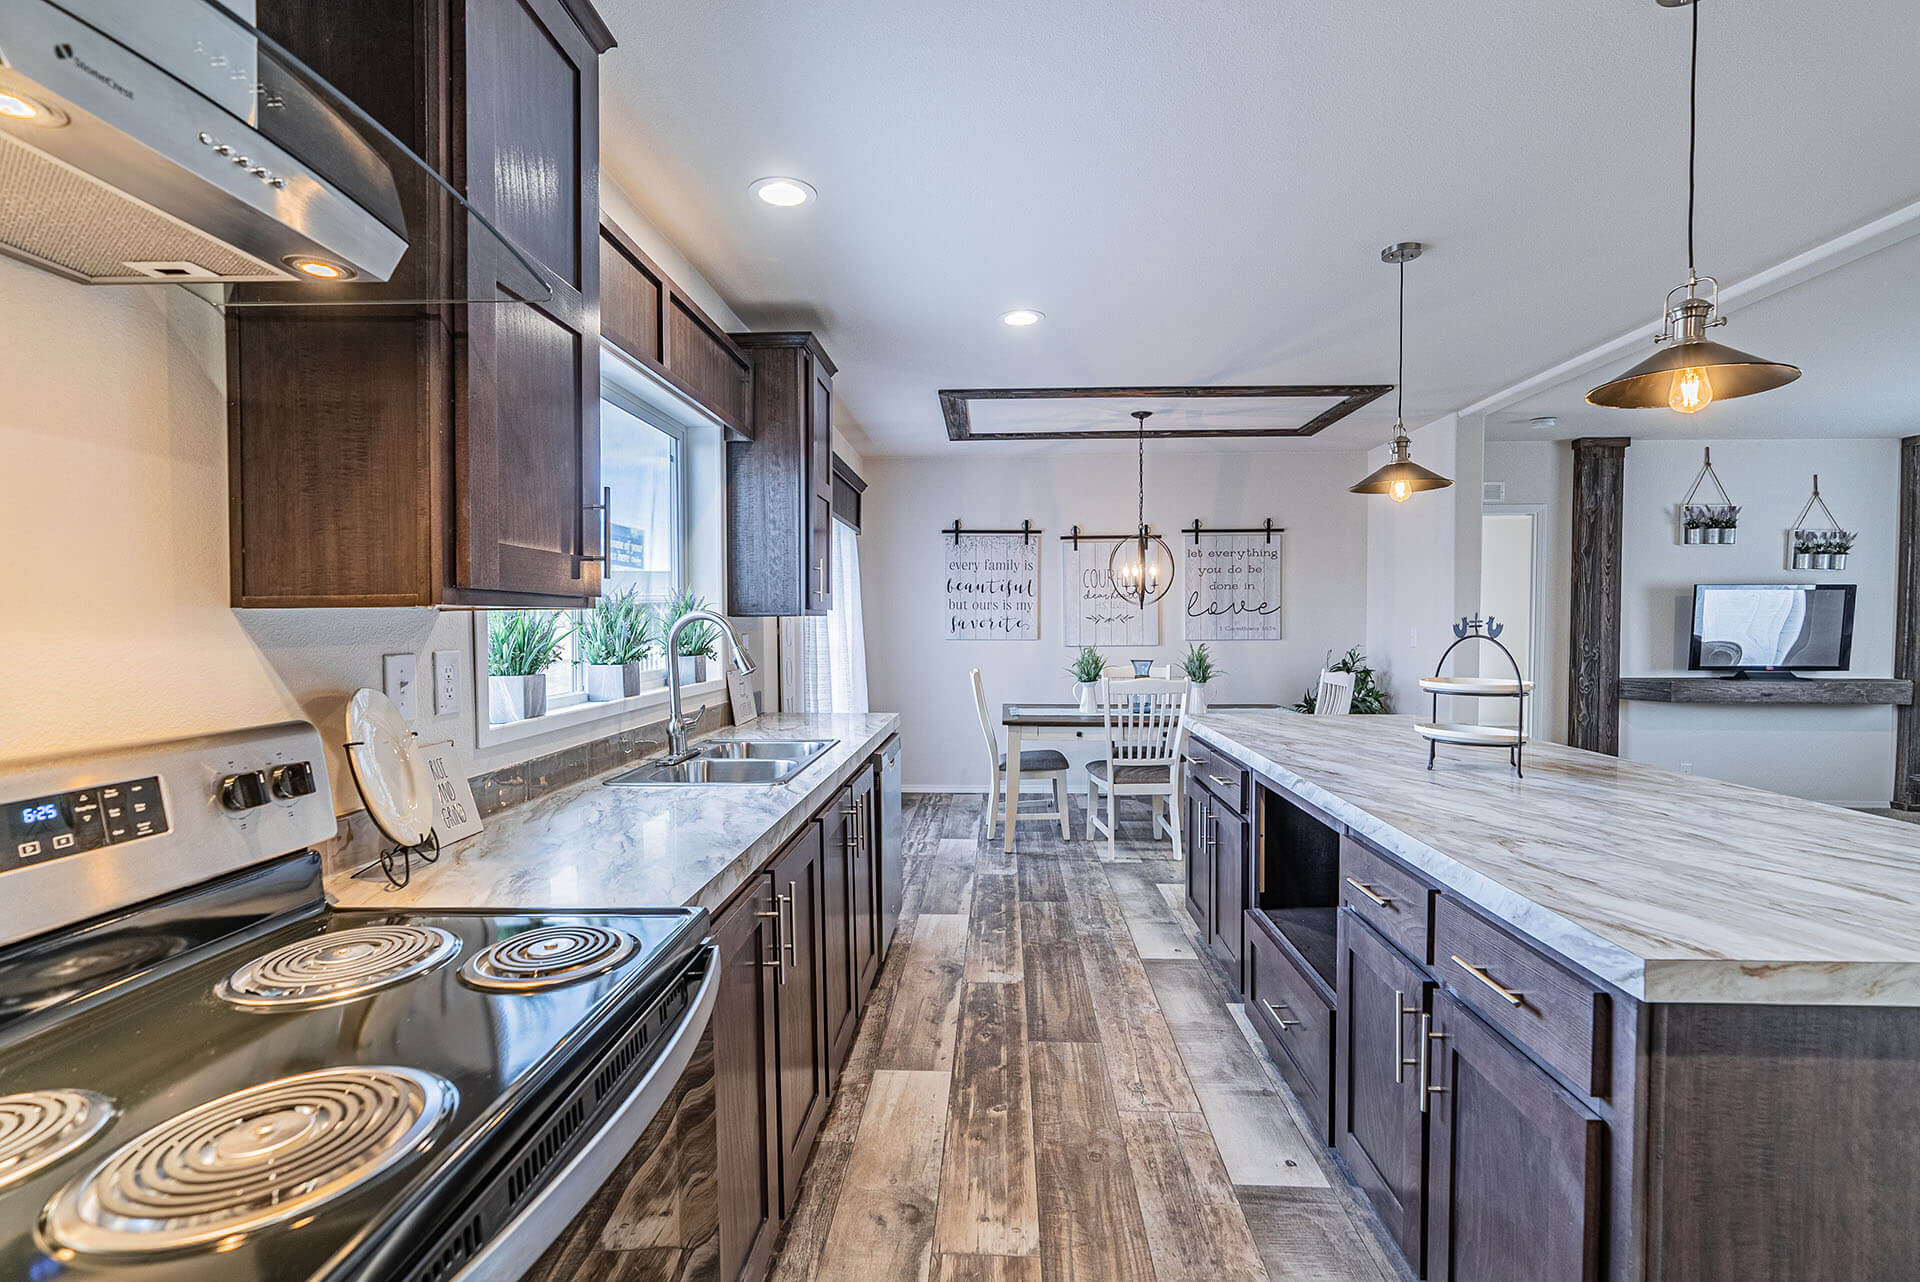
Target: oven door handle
518,1246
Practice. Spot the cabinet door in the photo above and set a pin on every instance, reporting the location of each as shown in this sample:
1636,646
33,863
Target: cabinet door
1199,812
801,1029
526,446
1378,1125
819,490
745,1108
837,832
1228,848
865,883
1515,1179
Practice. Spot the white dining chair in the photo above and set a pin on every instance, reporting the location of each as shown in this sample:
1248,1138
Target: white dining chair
1145,722
1035,763
1335,697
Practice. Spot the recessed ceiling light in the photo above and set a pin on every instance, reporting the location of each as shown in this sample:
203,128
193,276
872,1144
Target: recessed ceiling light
782,192
31,111
320,269
1021,317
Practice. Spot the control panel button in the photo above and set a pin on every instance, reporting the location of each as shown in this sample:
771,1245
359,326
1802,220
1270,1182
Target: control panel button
244,791
27,849
295,779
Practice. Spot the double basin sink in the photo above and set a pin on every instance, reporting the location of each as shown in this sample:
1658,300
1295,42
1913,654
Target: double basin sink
729,761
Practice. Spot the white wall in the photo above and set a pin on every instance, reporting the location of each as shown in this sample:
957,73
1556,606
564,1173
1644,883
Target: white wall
914,669
1842,755
113,522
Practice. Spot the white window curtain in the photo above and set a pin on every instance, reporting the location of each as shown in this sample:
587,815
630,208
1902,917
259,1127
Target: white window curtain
835,644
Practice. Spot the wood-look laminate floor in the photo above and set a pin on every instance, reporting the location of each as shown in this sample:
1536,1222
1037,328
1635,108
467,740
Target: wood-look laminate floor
1053,1085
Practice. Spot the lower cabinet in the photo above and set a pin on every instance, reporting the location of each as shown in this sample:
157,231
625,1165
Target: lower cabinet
1515,1173
840,1010
746,1109
1296,1019
864,885
803,1074
1198,802
1216,875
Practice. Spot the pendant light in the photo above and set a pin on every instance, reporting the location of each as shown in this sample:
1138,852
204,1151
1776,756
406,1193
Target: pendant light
1141,568
1690,373
1401,478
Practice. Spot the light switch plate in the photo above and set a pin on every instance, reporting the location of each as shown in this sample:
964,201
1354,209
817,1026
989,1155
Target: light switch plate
399,673
446,682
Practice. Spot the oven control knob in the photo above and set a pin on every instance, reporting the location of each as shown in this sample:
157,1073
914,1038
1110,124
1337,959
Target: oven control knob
295,779
245,790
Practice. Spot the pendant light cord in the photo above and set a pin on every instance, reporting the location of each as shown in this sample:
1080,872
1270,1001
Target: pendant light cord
1693,130
1400,379
1141,419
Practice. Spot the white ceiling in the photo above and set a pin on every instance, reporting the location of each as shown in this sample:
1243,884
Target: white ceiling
1198,192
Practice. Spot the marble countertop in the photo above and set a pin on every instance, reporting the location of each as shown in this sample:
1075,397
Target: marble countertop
1672,888
588,846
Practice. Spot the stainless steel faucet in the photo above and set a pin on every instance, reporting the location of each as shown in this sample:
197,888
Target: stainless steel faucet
677,726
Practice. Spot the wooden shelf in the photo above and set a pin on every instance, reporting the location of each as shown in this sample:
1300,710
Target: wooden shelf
1815,690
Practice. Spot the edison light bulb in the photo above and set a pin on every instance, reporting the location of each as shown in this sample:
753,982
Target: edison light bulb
1401,490
1692,392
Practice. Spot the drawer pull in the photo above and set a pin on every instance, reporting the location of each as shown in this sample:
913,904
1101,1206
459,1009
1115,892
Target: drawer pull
1224,783
1367,890
1400,1061
1274,1009
1507,995
1427,1038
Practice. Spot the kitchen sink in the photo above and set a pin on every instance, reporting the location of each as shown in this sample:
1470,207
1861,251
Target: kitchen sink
729,761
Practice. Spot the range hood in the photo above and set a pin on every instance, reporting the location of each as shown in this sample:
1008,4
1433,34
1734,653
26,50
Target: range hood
167,141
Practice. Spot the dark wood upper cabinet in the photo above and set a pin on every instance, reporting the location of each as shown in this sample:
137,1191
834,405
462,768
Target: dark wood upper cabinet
438,454
646,316
780,484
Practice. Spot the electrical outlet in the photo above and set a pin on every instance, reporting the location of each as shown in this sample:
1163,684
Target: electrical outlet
1413,638
400,671
446,682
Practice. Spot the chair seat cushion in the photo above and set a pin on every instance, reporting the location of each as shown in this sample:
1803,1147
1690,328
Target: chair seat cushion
1130,774
1039,760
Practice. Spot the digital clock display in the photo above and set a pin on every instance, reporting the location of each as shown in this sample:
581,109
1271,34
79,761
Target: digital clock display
40,813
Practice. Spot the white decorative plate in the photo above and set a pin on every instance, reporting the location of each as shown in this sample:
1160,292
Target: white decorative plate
1471,685
1455,732
389,768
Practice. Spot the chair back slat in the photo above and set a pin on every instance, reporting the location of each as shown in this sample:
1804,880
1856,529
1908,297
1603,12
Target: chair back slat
1145,720
986,724
1335,696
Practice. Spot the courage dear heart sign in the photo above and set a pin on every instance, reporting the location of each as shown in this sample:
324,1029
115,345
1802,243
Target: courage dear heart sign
993,587
1232,588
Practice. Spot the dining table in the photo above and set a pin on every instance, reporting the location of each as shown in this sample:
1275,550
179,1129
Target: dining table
1056,722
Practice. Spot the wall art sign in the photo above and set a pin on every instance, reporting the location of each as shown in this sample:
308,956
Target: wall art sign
993,587
455,816
1232,587
1090,610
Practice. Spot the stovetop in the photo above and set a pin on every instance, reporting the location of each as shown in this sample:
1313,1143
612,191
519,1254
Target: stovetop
456,1069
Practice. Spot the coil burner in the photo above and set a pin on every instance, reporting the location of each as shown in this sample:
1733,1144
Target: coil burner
548,957
337,967
247,1160
41,1127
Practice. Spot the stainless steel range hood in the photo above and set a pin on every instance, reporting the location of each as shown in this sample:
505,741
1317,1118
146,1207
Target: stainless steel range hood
166,141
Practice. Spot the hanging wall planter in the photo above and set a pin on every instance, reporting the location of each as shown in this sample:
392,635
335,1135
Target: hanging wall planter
1819,547
1712,523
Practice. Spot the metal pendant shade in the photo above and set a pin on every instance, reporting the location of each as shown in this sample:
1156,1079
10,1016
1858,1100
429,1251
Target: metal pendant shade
1689,372
1401,478
1140,569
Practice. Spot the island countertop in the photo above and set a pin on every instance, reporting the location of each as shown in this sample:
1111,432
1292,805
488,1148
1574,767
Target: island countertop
595,848
1671,887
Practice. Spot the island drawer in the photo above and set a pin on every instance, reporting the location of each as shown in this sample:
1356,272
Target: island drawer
1294,1021
1554,1014
1220,775
1387,896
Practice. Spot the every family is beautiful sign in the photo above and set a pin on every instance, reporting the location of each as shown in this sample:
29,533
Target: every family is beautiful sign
993,586
1091,611
1232,588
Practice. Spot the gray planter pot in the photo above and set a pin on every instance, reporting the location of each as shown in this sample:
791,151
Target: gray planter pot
609,681
1694,534
1823,560
516,698
1803,560
692,670
1839,560
1729,536
1710,536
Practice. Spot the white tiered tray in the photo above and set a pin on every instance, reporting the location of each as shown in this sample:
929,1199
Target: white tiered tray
1478,736
1475,685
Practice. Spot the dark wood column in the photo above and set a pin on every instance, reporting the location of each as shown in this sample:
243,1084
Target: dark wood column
1906,630
1593,664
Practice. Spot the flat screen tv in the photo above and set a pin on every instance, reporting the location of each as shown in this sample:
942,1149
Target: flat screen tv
1767,627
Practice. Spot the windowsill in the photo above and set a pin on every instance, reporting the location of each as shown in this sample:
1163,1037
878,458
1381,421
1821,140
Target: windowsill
578,715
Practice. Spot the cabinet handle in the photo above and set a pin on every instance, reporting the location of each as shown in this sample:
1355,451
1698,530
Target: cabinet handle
1274,1009
1507,995
1427,1038
1400,1061
775,963
782,945
820,577
605,508
1224,783
1368,892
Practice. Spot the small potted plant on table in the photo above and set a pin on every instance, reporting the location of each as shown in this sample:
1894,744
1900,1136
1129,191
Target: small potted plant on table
1087,668
1199,670
615,640
521,646
698,641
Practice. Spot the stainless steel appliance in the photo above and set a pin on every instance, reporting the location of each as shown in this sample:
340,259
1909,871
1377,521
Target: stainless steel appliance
211,1075
165,140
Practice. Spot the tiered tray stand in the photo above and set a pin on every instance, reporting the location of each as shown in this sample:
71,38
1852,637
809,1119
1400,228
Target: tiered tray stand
1436,732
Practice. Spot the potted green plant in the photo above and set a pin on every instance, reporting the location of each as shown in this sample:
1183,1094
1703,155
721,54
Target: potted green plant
698,641
1723,522
521,646
1086,669
1841,545
1694,519
1369,696
1199,670
1805,543
615,639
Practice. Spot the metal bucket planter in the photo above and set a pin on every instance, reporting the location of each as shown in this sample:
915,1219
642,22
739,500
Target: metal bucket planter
1839,560
1729,535
1694,534
1823,560
1711,535
1803,560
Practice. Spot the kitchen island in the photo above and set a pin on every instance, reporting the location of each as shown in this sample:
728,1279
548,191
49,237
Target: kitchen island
1605,1021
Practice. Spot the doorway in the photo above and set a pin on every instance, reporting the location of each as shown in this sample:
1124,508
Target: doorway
1512,590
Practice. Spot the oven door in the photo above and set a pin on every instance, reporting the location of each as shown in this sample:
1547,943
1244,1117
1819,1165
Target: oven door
643,1192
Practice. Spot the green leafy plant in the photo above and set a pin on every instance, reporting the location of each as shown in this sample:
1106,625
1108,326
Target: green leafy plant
1725,516
621,628
698,640
1198,665
1369,696
1696,516
1088,666
523,643
1841,542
